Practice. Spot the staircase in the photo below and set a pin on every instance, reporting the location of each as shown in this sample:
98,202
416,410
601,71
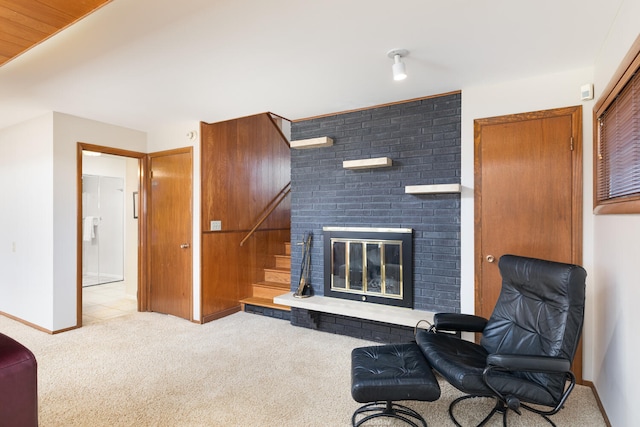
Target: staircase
277,281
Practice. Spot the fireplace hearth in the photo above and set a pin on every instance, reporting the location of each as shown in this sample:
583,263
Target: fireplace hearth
369,264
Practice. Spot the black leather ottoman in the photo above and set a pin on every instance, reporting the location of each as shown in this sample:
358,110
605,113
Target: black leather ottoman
385,373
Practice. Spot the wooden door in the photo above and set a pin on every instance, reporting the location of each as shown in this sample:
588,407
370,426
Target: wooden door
528,194
170,233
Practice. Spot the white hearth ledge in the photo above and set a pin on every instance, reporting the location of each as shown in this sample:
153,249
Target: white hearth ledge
358,309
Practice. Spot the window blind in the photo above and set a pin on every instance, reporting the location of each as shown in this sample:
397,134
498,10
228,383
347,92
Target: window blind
618,162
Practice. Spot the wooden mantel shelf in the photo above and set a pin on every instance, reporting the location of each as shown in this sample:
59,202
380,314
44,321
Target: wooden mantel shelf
323,141
378,162
358,309
433,189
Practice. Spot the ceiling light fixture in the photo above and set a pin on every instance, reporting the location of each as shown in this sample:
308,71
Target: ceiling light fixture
399,71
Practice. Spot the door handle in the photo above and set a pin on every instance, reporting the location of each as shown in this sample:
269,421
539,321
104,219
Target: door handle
184,246
491,258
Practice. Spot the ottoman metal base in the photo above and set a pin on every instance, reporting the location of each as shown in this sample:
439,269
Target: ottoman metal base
387,409
386,373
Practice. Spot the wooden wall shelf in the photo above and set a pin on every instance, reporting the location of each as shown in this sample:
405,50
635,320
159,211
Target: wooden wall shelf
378,162
323,141
433,189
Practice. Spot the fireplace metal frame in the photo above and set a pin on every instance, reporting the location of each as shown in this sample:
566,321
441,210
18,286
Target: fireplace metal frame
403,235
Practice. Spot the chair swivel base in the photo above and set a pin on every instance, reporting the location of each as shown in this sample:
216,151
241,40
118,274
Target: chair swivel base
387,409
499,408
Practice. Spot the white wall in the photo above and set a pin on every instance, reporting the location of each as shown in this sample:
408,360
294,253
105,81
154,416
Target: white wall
26,221
38,233
67,132
38,284
38,166
616,265
171,136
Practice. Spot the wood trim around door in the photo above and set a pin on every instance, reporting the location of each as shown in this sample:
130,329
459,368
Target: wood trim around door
142,222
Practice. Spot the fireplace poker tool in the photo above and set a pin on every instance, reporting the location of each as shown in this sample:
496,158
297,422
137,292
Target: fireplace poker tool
304,270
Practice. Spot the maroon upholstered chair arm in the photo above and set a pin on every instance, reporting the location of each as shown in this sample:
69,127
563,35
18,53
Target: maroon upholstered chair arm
18,384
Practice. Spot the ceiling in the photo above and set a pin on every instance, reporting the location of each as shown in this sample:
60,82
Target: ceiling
145,63
25,23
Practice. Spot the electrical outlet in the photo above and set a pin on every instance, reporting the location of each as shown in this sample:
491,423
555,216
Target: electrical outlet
216,225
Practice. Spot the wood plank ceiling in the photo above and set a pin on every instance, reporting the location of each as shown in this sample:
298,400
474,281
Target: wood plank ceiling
25,23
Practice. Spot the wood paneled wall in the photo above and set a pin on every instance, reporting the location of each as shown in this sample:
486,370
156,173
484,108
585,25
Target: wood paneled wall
245,164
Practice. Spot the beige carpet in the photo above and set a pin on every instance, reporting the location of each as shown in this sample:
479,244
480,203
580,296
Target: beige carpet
148,369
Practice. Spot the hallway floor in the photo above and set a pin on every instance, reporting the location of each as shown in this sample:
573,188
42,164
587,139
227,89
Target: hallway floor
102,302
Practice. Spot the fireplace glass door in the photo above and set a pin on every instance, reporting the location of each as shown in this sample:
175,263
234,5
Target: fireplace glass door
369,264
367,267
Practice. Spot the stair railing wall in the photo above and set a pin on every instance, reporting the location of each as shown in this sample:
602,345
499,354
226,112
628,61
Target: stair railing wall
268,210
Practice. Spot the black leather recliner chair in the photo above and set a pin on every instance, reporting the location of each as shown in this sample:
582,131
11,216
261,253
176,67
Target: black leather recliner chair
527,345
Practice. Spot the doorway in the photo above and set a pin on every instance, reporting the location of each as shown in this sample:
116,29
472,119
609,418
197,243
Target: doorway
109,259
528,195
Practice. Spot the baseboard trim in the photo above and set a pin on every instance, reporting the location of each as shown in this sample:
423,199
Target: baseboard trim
598,401
220,314
31,325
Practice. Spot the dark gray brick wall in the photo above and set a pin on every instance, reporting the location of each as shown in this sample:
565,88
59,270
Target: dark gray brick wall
349,326
423,139
268,312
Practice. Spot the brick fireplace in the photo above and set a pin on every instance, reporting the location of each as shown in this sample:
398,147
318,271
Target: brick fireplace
422,138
